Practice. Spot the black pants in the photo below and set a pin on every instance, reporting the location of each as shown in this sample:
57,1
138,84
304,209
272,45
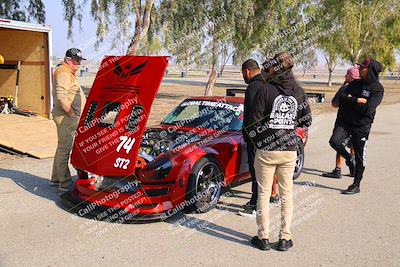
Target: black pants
251,152
359,140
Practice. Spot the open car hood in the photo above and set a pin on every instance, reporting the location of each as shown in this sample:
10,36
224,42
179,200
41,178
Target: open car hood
115,115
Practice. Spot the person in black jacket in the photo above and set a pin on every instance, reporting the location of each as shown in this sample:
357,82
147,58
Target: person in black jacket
255,79
278,109
352,75
359,104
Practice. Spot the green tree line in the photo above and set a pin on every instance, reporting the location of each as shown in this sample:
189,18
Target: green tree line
212,32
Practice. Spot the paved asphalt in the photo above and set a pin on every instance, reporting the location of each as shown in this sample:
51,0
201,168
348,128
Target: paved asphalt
329,229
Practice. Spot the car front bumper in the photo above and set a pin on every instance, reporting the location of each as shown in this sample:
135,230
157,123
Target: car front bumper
84,208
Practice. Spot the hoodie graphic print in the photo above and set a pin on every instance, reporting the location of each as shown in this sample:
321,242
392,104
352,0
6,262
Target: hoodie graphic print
284,113
277,110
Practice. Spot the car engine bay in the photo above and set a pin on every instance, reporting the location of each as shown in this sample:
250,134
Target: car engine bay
156,142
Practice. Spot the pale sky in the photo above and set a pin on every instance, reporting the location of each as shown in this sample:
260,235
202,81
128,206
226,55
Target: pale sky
84,39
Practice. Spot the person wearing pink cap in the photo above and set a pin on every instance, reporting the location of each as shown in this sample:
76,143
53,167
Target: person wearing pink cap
351,75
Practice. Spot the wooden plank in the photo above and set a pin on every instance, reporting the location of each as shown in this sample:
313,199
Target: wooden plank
35,136
22,45
31,63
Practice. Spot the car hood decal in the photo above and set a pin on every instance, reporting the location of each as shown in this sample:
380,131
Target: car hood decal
109,133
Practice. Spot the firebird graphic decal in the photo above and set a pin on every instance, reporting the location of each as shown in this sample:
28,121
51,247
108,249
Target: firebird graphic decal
124,75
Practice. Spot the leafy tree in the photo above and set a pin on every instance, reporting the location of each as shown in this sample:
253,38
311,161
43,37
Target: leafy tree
205,38
23,10
218,34
227,51
331,55
183,37
247,15
283,27
366,28
326,21
307,60
124,13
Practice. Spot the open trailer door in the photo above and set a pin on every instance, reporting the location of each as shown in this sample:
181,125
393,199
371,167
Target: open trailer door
109,132
25,76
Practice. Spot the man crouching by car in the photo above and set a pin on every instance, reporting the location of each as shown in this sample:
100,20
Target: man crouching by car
279,107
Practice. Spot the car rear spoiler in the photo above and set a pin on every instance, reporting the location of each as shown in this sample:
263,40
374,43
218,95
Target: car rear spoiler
317,97
233,92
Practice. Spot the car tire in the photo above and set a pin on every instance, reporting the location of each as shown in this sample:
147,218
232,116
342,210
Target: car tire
299,160
204,186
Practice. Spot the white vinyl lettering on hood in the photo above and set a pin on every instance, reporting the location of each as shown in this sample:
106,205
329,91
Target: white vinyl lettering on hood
235,108
284,113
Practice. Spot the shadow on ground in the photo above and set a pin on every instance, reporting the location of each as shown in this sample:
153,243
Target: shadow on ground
33,184
187,225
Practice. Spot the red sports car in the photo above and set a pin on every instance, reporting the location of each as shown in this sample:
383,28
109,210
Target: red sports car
181,164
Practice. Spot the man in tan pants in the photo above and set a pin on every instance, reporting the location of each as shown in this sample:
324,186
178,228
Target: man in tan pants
69,101
267,164
278,109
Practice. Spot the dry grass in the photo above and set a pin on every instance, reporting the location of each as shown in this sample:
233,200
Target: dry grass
174,89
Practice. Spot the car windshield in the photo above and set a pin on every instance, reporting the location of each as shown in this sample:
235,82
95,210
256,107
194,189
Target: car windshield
207,114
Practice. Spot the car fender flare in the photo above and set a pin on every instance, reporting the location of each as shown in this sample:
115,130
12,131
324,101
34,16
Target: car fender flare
197,154
202,152
187,166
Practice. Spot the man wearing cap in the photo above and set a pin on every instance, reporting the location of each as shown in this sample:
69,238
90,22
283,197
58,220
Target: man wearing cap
359,103
69,101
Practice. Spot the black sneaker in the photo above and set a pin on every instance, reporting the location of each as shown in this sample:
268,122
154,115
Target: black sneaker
274,199
56,183
65,186
249,205
284,244
262,244
336,173
353,189
352,168
249,212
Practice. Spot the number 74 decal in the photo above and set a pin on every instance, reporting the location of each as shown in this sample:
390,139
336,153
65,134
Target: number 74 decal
126,143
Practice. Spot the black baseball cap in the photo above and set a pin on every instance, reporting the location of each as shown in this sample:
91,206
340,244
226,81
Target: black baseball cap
365,64
75,54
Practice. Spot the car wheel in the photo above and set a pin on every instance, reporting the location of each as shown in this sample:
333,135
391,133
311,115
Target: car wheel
204,186
299,160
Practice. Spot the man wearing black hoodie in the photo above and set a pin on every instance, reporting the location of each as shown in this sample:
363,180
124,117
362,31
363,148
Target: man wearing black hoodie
278,108
359,103
252,76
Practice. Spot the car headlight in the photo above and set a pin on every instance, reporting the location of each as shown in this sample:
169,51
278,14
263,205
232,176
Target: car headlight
157,169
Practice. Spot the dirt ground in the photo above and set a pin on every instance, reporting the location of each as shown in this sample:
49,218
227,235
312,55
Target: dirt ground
174,89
